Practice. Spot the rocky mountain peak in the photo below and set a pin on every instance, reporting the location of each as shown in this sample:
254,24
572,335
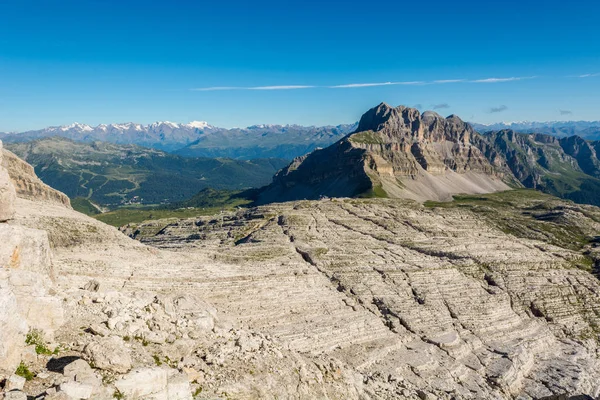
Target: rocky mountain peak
394,152
386,118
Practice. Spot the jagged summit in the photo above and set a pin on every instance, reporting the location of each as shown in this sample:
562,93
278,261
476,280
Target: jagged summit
394,152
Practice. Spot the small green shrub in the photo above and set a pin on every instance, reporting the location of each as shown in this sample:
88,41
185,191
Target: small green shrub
23,371
157,360
35,337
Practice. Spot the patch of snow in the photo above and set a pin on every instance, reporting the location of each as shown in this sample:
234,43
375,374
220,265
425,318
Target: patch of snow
198,125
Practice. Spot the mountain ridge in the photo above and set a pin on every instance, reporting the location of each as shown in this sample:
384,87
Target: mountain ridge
394,152
399,152
198,138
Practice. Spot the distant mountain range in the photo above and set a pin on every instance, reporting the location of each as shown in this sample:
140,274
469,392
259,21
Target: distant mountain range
399,152
589,130
199,139
113,175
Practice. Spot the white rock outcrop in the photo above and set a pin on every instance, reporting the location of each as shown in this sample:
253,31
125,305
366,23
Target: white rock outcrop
110,354
155,384
8,194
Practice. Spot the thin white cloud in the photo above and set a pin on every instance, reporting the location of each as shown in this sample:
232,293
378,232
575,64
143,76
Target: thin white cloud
369,84
283,87
210,89
359,85
588,75
498,80
449,81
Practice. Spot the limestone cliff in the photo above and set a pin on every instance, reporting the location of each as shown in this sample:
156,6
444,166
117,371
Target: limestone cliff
395,152
26,182
566,167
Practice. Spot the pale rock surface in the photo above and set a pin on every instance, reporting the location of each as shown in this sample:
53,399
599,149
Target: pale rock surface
27,184
7,192
340,299
14,382
154,383
15,395
77,390
109,354
12,327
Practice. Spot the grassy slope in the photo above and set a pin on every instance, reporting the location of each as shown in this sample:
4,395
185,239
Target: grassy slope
526,213
207,202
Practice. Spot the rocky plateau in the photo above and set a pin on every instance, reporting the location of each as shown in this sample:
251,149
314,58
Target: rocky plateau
490,296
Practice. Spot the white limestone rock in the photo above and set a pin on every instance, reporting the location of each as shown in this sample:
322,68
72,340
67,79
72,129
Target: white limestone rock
154,383
15,395
13,328
110,354
77,390
8,193
14,382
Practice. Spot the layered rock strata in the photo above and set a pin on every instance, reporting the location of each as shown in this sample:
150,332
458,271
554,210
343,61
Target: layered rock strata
395,152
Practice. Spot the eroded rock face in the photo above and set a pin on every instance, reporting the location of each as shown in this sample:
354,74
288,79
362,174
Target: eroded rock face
7,193
488,299
412,297
395,152
26,182
109,354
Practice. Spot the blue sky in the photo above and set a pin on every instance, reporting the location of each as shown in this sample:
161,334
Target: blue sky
115,61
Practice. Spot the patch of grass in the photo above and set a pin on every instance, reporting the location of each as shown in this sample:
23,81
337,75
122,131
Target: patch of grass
207,202
197,392
24,372
584,262
366,137
35,337
143,341
523,213
376,191
157,360
84,206
118,395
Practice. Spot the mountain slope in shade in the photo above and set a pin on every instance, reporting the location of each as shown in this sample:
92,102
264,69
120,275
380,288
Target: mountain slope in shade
395,152
565,167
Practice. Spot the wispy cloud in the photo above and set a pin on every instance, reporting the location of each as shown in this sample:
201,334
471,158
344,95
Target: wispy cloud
367,84
498,80
418,106
498,109
215,88
449,81
359,85
441,106
565,112
587,75
281,87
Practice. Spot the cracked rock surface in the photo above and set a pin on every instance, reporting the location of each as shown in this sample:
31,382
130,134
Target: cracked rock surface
489,297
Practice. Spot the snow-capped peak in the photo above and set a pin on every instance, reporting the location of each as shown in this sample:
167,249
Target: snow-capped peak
167,123
198,124
78,126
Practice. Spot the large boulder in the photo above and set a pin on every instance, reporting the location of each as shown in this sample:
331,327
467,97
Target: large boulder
7,193
25,260
109,354
26,287
154,383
